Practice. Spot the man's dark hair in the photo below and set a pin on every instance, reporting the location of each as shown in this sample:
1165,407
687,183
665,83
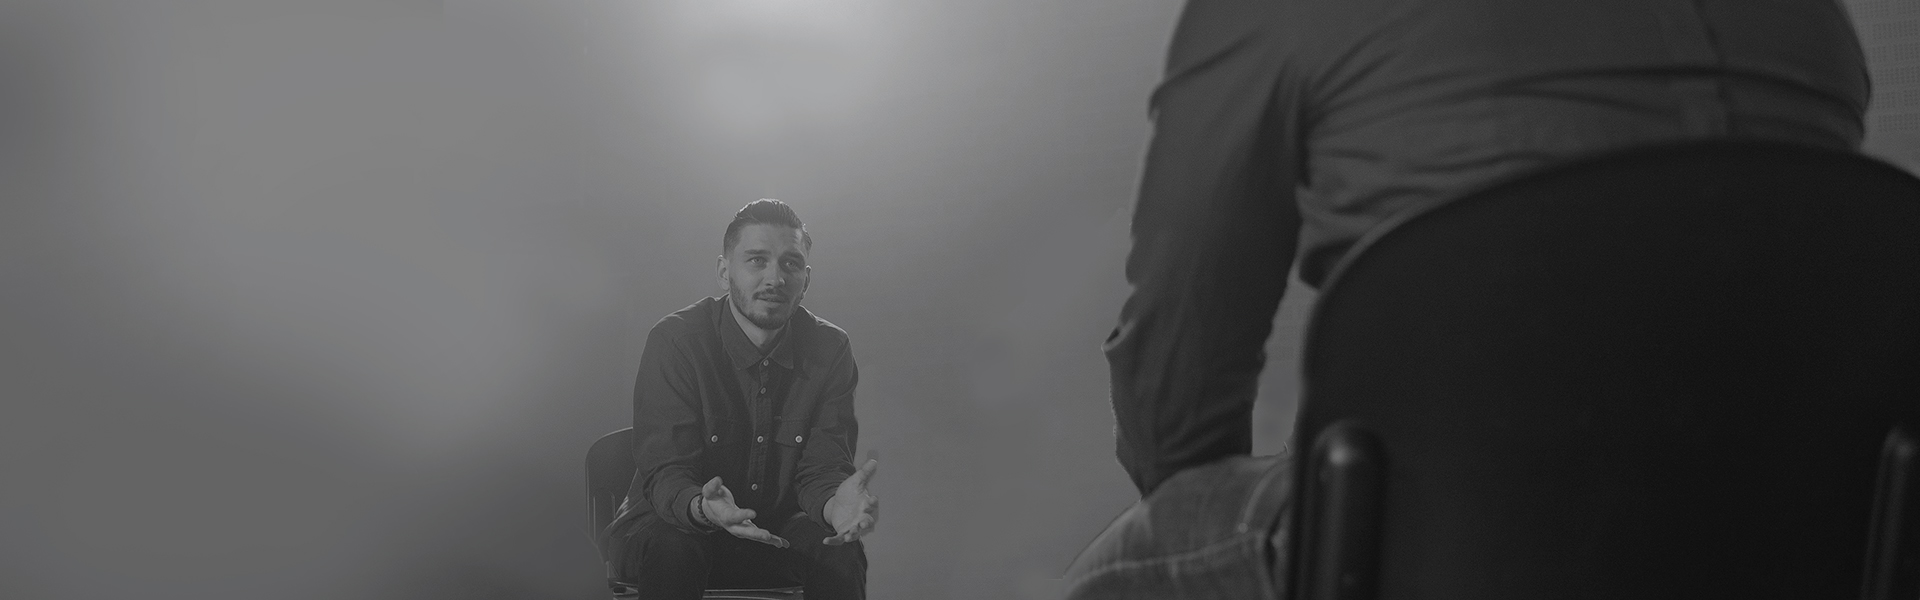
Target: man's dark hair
765,211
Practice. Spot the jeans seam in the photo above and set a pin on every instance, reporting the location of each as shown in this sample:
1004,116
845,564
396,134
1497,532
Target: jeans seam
1267,553
1259,493
1229,543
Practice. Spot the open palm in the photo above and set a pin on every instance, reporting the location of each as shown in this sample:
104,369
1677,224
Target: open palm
853,510
717,502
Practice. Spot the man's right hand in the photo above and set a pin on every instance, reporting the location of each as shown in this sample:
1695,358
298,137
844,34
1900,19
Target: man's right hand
717,503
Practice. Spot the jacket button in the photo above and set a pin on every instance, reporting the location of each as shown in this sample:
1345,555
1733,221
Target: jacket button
754,487
761,439
796,439
715,439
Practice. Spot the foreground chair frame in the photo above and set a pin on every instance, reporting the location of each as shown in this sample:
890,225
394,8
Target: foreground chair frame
1674,372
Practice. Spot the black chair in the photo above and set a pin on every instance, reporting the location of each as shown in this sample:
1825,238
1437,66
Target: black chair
1678,372
609,472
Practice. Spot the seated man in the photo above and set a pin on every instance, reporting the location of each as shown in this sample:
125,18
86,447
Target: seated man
1287,127
743,427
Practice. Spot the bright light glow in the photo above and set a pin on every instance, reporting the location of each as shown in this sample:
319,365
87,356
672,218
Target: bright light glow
763,69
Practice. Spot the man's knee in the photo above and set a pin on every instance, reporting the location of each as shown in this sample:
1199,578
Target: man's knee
849,558
656,548
808,539
830,572
1196,509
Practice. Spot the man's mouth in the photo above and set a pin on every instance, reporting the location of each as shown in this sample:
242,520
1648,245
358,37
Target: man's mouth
772,299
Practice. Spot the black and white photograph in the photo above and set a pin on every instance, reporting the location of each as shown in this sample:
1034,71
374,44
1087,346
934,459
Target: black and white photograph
959,300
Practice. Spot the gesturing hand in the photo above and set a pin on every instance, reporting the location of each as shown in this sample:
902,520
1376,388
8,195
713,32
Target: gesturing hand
717,503
853,510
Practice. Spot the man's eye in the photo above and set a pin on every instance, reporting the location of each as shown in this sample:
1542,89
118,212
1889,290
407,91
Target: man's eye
757,260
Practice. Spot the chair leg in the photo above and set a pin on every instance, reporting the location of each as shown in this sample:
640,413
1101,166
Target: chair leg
1893,542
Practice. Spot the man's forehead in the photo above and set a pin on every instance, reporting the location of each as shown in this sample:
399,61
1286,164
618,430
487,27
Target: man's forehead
765,238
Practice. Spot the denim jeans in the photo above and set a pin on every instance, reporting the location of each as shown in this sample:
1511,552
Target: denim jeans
1215,531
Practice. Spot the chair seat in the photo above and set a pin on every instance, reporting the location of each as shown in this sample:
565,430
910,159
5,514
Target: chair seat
785,593
627,590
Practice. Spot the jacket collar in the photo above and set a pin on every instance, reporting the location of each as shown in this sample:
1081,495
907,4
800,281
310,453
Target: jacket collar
742,351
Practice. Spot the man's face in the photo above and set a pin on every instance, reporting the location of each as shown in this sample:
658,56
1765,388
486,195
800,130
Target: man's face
766,273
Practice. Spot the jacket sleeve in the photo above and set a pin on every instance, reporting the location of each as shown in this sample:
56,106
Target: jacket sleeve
1214,233
667,430
826,459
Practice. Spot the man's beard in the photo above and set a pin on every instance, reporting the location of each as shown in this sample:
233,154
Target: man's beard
769,321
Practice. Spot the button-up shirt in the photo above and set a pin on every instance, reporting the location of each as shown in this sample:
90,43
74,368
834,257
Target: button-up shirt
776,426
1289,127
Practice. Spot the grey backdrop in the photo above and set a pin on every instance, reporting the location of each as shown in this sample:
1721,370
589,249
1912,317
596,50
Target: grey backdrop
327,300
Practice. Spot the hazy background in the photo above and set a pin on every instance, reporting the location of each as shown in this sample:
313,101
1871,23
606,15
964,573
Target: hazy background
327,299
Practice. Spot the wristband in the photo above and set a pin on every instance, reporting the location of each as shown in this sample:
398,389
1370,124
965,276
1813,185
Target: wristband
699,511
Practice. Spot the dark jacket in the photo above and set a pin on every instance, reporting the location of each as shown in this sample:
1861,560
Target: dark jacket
694,416
1289,128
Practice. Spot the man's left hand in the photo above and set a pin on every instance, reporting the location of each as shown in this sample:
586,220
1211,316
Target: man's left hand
853,510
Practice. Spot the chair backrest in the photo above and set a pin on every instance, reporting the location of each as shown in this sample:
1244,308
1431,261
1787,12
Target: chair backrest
609,473
1679,372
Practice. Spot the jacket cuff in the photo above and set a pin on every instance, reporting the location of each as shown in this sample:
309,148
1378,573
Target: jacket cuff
816,506
681,510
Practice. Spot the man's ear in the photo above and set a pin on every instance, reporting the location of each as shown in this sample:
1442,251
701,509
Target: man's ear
724,284
808,280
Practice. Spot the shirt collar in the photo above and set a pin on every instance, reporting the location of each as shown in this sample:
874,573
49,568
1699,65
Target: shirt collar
742,350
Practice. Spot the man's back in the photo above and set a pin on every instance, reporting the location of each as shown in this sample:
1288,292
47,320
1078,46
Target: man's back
1389,103
1290,128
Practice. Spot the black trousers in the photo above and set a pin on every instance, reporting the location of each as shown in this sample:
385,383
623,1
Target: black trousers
666,563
